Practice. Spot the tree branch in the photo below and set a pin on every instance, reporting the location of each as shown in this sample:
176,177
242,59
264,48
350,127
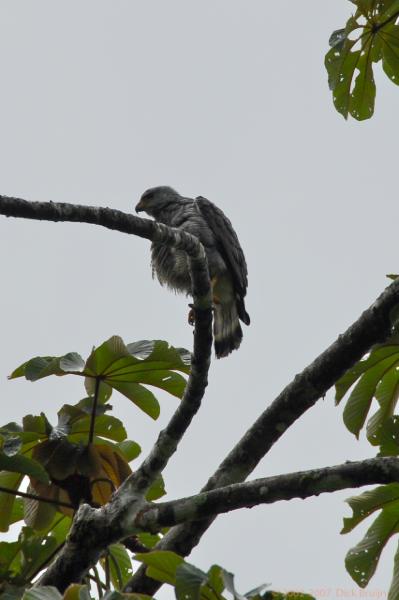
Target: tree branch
268,490
373,326
119,513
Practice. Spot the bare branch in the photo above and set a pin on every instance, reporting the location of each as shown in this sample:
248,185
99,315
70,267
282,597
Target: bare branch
373,326
130,495
268,490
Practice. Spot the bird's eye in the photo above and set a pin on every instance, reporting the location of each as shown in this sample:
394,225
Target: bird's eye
148,195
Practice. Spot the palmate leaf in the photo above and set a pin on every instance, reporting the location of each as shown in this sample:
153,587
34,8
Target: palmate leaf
393,593
120,565
10,481
122,368
371,35
77,472
125,368
375,377
362,560
43,366
370,501
24,466
387,394
389,437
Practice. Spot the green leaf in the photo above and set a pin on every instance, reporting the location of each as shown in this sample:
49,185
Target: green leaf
86,404
8,553
157,490
393,593
340,64
389,8
123,368
37,424
390,51
42,593
370,501
17,513
129,449
37,549
24,465
104,426
162,565
140,396
362,560
72,363
43,366
189,580
228,579
365,6
362,96
359,401
387,394
11,481
389,437
76,591
148,539
337,38
120,367
215,579
349,57
120,565
376,356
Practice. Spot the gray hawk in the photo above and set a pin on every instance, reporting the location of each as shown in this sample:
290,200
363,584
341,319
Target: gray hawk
226,261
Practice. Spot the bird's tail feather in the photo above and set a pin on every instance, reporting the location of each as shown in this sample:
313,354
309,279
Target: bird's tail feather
227,330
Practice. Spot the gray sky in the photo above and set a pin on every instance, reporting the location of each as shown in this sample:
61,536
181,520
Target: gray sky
226,99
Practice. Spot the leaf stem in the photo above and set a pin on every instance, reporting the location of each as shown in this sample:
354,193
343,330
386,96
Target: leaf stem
99,584
94,410
34,497
107,571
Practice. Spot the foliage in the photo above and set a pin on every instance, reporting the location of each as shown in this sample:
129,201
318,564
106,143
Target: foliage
374,378
370,36
85,456
191,583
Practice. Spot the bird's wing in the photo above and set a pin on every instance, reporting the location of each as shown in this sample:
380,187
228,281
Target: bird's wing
227,243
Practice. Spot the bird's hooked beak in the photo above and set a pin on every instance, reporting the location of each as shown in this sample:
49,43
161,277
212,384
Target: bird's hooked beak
140,207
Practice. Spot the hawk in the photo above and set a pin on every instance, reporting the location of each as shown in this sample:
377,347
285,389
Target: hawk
226,260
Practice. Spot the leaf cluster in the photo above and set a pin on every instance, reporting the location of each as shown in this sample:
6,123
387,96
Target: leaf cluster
374,380
370,36
84,457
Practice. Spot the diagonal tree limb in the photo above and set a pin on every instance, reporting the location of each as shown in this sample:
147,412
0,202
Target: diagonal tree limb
373,326
267,490
71,564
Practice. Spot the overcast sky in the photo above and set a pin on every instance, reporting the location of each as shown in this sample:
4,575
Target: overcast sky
229,99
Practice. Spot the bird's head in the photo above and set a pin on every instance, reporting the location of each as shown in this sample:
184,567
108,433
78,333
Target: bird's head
156,199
